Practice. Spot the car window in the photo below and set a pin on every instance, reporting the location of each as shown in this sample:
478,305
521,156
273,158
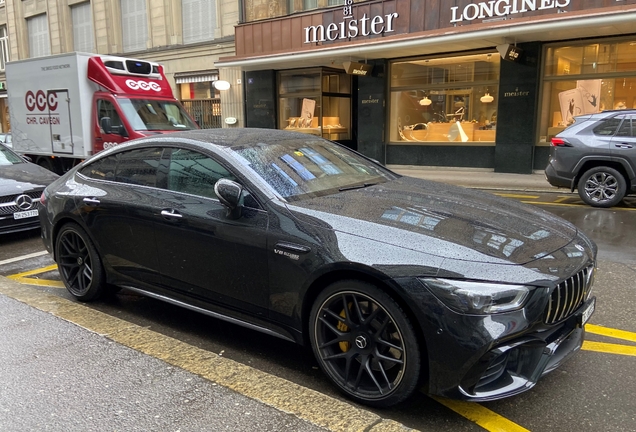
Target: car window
301,168
608,126
138,167
194,173
102,169
133,167
625,129
107,109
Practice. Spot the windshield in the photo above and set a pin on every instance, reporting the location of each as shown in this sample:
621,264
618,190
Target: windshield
156,115
304,168
7,157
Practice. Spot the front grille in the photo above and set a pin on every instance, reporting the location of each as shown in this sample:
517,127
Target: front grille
569,295
8,206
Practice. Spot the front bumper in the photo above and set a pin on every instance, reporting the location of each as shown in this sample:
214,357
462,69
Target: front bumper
515,367
488,357
10,225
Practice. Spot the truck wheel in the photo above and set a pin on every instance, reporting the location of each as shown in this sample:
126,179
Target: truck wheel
79,263
602,187
365,343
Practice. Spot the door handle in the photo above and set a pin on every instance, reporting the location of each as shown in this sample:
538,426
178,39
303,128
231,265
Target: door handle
623,145
171,214
92,201
293,247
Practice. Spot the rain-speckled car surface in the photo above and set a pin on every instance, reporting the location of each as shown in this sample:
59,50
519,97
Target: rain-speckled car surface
395,282
597,156
21,184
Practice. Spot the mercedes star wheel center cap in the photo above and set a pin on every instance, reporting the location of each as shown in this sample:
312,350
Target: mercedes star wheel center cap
361,342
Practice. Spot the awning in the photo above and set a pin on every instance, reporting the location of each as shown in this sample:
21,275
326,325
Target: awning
192,77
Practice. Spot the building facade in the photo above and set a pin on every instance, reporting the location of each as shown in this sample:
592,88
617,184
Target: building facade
429,82
186,36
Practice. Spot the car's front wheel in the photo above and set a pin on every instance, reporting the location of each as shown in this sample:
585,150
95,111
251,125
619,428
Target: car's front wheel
602,187
365,343
79,263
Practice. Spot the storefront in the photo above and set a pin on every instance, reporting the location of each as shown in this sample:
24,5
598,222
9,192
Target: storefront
201,99
465,84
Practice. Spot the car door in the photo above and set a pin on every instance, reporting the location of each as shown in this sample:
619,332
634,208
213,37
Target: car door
623,144
202,252
118,204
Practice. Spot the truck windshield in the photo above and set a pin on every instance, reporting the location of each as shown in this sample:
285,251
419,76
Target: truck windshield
156,115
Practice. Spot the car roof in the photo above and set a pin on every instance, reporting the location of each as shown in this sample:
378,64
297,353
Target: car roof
226,137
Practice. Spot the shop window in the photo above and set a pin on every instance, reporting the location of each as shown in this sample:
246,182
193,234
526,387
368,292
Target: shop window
449,100
586,79
316,101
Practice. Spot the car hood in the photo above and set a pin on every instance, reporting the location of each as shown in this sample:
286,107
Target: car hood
24,177
442,220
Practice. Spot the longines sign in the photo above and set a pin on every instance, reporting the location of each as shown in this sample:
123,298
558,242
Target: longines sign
502,8
350,27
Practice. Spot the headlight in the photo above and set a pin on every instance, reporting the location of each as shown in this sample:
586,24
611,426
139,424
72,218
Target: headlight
478,297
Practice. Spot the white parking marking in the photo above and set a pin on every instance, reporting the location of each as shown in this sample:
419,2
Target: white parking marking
23,257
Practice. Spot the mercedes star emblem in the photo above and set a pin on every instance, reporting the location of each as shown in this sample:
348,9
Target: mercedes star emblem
24,202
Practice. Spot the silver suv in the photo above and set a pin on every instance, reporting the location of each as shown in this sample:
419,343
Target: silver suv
597,156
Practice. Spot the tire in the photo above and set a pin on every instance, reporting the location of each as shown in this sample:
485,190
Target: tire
79,264
602,187
368,348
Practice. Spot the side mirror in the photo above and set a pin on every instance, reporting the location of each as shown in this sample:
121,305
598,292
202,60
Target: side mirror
230,193
106,125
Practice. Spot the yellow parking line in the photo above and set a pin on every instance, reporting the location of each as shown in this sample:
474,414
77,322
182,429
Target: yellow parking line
487,419
614,333
24,279
561,199
33,272
507,195
554,203
609,348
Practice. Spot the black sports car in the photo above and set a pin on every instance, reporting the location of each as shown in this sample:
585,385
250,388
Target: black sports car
394,282
21,184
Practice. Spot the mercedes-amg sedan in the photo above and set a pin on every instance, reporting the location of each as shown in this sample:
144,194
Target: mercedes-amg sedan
394,282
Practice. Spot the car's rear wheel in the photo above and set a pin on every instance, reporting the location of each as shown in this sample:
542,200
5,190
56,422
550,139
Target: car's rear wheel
365,343
79,263
602,187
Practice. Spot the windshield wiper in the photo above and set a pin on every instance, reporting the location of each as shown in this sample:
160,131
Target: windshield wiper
362,186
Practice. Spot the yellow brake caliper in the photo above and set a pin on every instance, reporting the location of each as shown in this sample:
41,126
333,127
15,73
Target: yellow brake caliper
344,345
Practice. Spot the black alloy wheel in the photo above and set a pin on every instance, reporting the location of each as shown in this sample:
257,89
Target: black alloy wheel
365,343
602,187
79,264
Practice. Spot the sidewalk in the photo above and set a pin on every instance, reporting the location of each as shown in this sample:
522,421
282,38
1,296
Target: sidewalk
480,178
70,368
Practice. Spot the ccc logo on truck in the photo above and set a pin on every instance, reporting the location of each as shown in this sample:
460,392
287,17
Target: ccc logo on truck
40,101
143,85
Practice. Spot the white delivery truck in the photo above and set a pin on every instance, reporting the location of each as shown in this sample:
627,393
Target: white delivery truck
67,107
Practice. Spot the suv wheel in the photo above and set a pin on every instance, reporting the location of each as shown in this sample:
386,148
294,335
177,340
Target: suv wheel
602,187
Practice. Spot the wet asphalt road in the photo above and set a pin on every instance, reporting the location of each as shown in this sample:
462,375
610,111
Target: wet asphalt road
594,391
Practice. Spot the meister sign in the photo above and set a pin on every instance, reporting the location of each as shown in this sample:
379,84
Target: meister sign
350,27
502,8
